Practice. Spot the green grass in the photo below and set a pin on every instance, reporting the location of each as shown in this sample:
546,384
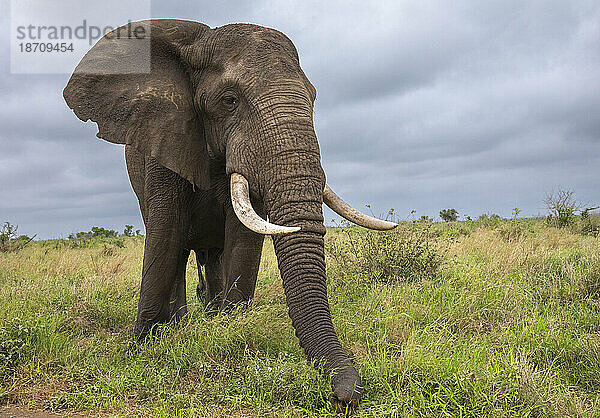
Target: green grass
509,325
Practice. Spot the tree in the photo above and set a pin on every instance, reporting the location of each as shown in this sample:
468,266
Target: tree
585,214
449,215
588,224
7,233
561,206
98,231
9,240
128,231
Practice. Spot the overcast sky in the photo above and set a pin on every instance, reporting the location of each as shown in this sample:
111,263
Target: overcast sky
478,106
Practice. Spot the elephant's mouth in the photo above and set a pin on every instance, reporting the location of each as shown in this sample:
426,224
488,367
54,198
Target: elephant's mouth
240,198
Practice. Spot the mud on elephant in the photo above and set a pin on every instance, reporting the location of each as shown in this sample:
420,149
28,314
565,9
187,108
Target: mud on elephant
218,134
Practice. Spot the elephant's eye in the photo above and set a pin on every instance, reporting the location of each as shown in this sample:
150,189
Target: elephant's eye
230,101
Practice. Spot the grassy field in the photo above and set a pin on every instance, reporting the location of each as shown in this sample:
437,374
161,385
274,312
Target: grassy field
479,320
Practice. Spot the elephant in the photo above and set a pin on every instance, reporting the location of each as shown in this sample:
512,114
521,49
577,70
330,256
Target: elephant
221,150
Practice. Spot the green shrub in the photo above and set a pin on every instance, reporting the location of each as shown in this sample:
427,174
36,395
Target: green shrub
17,339
561,206
489,220
516,228
449,215
589,224
453,233
95,236
128,231
451,230
403,254
10,241
511,231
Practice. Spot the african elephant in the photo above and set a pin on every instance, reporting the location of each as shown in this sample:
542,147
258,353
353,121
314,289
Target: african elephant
218,135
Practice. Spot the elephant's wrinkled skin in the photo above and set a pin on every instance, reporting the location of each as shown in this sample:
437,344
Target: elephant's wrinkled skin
216,102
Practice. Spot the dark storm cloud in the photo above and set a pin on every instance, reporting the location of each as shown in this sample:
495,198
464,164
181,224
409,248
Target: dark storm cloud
481,106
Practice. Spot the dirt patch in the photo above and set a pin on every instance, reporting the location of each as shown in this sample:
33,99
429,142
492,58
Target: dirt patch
42,391
23,412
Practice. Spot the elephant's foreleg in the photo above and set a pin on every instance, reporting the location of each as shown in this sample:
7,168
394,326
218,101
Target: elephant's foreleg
168,199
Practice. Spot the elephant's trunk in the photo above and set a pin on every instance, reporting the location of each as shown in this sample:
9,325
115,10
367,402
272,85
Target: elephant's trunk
302,265
301,261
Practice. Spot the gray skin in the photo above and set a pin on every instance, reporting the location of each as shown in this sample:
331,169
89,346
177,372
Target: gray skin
218,101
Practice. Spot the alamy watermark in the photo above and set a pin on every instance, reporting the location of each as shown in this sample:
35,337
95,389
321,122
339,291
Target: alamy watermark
52,37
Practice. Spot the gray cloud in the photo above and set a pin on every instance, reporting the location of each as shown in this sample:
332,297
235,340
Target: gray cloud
481,106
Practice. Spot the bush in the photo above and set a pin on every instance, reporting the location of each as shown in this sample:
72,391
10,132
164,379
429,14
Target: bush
16,344
489,220
561,206
10,241
449,215
99,232
403,254
516,228
128,231
96,235
590,224
513,230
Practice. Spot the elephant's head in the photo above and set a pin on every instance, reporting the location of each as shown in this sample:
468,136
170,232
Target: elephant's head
230,101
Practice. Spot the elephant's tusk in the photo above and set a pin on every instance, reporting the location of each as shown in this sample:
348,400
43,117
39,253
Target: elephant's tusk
240,198
345,210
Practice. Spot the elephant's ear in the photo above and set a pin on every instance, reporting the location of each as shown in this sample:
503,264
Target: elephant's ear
137,89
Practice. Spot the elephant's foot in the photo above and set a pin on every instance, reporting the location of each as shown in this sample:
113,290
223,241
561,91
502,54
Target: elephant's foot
150,326
228,306
212,307
219,306
347,389
139,338
148,331
178,314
